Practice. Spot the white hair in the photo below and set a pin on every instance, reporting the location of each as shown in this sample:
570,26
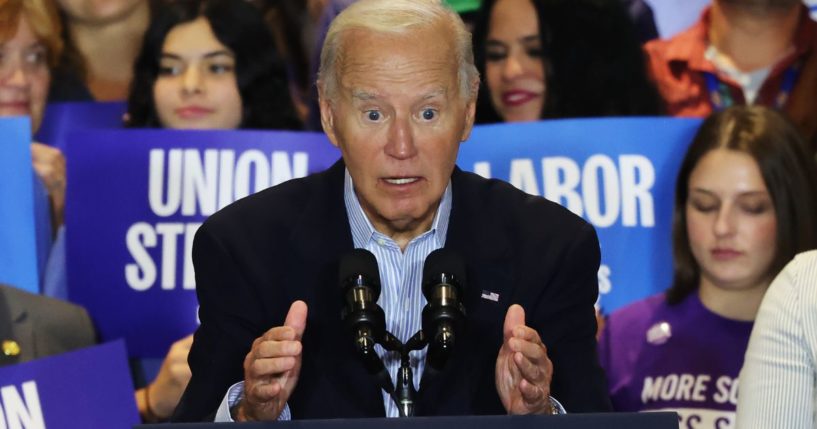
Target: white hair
397,17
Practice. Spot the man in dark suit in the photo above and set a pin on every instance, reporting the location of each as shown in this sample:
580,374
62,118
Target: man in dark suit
397,94
34,326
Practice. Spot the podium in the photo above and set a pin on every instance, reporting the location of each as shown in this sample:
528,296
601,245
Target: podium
656,420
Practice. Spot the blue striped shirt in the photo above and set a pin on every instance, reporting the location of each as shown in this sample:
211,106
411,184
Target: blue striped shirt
401,279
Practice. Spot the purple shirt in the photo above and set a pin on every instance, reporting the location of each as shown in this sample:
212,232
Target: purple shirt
683,358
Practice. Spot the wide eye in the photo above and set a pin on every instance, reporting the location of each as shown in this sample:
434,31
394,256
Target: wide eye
429,114
373,115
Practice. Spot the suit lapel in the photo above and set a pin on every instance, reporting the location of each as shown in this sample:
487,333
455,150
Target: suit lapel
320,238
475,233
15,325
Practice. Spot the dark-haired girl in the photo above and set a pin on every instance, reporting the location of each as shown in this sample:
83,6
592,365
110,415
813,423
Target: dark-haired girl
209,64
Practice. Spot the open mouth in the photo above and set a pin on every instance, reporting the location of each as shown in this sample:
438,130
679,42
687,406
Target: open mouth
401,180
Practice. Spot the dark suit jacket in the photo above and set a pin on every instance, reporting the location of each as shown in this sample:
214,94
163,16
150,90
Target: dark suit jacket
41,326
257,256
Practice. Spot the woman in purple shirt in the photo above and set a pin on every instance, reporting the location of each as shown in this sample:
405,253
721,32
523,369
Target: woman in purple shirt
745,204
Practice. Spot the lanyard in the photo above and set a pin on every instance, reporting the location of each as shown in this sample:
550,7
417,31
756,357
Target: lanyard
720,94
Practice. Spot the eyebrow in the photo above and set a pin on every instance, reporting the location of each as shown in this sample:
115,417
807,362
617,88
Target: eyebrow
173,56
435,93
524,40
741,194
37,45
364,95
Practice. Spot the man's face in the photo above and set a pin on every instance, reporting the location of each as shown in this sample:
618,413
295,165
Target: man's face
398,116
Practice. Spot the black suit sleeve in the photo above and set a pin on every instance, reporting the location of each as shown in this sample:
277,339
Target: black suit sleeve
568,326
231,319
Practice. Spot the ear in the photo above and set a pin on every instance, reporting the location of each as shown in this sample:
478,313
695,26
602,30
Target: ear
327,114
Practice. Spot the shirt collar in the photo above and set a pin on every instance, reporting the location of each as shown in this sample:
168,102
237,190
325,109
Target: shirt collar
362,229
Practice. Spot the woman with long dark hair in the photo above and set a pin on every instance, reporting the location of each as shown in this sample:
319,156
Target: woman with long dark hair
560,59
209,64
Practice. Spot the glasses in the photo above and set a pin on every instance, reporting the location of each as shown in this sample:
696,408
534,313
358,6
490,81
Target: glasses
31,61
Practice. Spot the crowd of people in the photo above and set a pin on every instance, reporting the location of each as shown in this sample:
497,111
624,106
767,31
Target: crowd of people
745,196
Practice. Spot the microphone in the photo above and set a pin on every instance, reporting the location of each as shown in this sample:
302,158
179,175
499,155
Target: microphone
360,282
444,314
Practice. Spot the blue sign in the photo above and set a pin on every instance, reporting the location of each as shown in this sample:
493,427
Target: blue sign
618,174
135,201
87,388
18,237
61,119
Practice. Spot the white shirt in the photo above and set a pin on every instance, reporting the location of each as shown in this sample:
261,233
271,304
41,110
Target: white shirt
777,382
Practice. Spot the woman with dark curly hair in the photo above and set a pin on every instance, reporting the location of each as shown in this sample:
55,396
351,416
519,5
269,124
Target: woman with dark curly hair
209,64
745,204
560,59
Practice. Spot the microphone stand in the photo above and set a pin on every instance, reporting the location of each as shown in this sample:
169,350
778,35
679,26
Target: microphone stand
403,392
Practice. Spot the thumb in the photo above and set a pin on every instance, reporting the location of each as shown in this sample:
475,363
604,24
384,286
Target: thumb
296,318
513,318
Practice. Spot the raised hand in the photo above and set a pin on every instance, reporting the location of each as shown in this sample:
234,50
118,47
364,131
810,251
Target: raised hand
523,370
272,366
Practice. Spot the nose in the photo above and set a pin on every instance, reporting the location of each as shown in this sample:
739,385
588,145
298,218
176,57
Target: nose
512,67
191,80
401,139
724,222
15,75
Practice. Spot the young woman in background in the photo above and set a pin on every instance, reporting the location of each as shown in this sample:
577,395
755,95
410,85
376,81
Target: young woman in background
210,64
745,204
559,59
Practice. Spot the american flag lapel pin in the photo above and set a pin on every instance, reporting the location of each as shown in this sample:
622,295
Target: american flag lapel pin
490,296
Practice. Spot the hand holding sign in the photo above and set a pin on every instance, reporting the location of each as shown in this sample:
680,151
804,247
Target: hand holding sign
167,388
49,164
